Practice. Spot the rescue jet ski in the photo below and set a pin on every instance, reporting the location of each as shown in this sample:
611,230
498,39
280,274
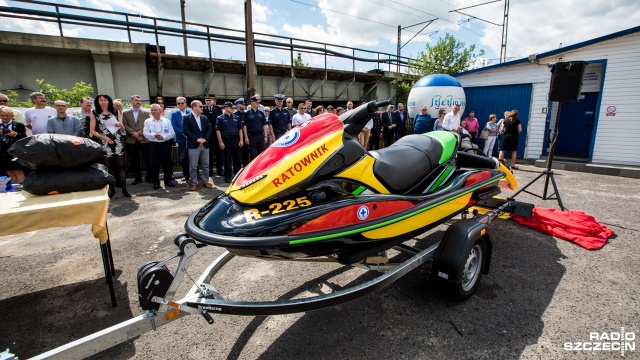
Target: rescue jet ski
317,192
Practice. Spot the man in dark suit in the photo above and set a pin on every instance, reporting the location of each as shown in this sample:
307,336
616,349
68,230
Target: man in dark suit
197,130
212,112
375,132
388,125
134,142
401,117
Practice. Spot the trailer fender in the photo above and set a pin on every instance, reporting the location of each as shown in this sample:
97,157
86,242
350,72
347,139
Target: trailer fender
451,255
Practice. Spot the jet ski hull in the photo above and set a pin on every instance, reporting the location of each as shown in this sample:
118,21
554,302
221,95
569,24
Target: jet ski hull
299,227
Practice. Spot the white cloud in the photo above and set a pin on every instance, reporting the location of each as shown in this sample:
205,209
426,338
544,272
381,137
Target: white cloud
535,26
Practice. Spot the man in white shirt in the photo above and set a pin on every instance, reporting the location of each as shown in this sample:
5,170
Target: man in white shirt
451,121
38,116
159,132
301,116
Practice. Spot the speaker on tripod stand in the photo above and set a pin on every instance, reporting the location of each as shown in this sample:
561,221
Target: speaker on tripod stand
566,83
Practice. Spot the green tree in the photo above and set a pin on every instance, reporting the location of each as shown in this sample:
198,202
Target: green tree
448,56
72,97
12,95
403,87
298,61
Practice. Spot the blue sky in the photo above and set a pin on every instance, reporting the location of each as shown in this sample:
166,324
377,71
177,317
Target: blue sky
534,25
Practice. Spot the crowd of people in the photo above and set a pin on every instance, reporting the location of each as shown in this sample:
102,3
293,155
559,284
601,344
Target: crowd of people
504,132
215,140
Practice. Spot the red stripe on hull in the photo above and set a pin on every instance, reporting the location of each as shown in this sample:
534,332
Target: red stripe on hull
353,214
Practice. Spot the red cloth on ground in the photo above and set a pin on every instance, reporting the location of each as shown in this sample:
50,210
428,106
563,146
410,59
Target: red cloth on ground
571,225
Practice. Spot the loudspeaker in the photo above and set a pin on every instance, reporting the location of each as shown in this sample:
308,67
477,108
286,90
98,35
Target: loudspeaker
566,81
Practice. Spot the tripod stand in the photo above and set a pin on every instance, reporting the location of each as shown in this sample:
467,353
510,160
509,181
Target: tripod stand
548,173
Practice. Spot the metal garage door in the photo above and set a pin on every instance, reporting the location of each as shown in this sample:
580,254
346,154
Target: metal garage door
486,100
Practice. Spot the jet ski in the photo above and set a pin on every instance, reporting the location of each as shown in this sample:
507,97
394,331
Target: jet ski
317,192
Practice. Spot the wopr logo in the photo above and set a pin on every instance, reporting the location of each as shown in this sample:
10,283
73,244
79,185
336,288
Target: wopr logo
288,139
623,341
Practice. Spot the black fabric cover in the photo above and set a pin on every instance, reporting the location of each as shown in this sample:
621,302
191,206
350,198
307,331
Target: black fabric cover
56,151
83,178
402,165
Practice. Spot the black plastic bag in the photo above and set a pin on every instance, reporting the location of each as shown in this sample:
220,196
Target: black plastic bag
56,151
82,178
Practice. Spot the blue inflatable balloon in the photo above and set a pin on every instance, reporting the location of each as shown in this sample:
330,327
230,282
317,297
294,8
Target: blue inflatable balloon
436,92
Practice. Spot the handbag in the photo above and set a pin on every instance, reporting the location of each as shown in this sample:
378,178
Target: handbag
484,135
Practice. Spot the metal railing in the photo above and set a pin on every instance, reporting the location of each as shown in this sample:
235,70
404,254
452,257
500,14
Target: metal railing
136,23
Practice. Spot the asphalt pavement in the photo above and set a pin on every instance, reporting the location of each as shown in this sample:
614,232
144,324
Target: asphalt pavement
541,292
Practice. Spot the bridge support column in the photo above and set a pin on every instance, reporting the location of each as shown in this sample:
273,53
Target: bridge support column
104,73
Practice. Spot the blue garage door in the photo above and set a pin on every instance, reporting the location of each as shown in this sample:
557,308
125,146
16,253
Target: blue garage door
486,100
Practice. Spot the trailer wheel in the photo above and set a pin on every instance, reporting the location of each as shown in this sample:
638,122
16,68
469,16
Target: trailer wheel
472,270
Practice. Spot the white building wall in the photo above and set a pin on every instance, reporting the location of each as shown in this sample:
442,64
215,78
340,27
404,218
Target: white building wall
617,137
539,76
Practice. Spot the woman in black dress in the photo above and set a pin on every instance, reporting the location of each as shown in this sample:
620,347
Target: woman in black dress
106,127
10,132
511,128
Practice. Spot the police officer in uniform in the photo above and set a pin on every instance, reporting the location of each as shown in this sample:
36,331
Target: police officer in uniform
212,111
279,119
240,108
229,134
255,129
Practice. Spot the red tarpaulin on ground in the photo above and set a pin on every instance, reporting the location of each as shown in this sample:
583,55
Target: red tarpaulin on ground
571,225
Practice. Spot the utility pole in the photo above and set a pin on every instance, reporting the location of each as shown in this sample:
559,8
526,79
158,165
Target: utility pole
184,27
251,58
505,25
400,28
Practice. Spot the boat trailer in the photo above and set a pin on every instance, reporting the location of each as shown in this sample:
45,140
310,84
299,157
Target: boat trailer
459,259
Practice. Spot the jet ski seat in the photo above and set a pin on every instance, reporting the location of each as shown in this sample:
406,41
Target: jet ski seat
409,160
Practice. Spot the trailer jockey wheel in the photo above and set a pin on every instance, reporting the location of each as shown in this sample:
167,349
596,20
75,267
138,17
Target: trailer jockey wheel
472,270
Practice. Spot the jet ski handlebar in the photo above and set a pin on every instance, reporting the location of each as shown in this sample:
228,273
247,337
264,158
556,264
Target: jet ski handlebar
356,119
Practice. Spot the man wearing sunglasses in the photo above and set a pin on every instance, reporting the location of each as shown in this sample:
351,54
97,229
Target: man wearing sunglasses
181,140
17,117
197,130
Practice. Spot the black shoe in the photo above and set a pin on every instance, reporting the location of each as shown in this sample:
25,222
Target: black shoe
156,186
136,182
126,193
169,184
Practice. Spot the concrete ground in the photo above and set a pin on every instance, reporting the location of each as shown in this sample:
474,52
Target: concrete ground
540,293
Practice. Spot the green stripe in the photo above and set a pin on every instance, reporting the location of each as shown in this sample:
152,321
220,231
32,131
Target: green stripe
448,141
376,226
359,190
441,178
